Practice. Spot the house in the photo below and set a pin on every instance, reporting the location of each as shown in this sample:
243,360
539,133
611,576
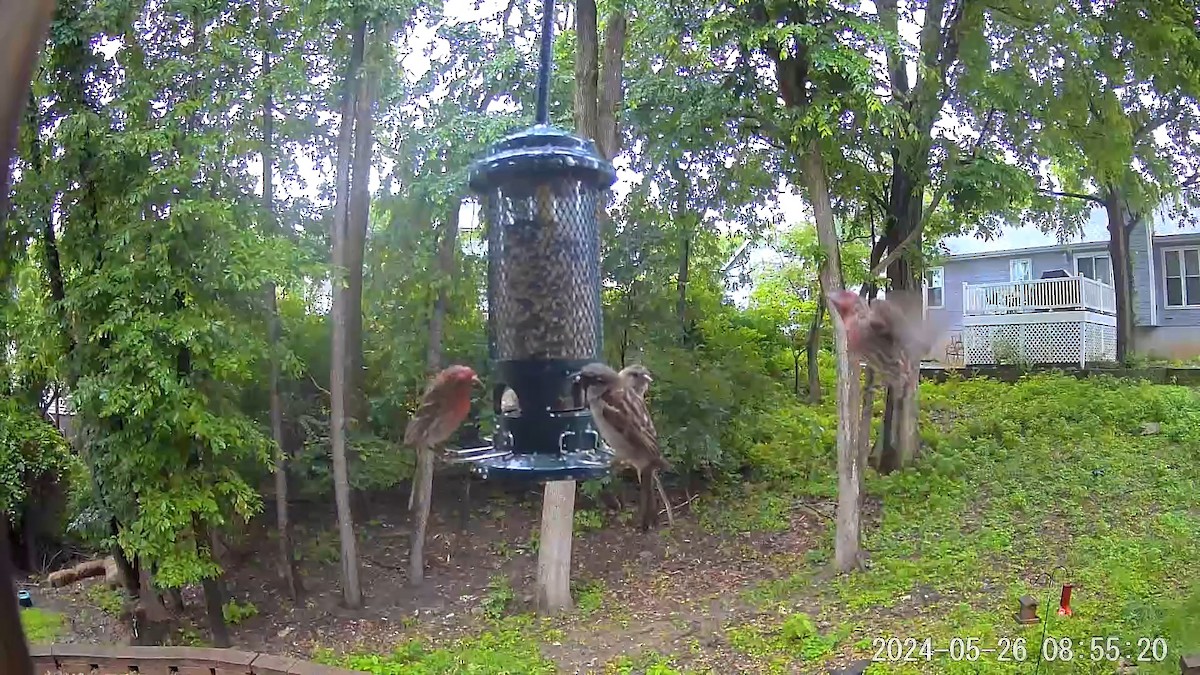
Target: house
1056,304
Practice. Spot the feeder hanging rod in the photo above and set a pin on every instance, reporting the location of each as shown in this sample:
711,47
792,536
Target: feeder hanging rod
547,63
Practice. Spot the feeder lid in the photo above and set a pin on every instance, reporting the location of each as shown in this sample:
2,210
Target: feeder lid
536,468
541,149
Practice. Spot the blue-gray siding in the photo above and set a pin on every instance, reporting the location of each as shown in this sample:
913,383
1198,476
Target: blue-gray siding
1172,316
1143,289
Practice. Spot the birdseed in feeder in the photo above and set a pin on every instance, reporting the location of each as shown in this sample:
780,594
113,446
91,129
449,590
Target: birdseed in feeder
544,269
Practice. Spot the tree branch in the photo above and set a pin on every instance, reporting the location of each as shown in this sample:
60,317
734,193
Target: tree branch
1072,195
895,251
897,73
1157,121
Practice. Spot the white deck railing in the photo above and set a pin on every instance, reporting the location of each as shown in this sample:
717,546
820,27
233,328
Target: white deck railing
1043,295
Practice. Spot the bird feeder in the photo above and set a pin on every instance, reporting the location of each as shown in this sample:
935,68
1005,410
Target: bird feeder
1028,611
541,189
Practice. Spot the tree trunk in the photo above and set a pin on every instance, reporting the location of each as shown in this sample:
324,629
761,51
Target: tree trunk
422,486
796,371
447,267
14,650
813,349
130,572
351,591
1120,222
864,431
684,220
356,241
554,548
289,573
847,534
900,431
154,610
587,67
610,97
214,595
22,31
175,601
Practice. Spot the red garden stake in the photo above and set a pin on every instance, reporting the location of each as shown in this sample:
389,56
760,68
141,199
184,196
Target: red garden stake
1064,602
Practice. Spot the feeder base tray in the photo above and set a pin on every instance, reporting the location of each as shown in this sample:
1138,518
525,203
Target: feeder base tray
534,468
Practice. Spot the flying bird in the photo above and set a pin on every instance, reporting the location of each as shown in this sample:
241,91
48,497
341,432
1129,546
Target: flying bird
624,423
884,334
443,408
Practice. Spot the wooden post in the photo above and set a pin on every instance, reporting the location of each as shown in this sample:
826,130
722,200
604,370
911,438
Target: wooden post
1083,342
554,548
422,499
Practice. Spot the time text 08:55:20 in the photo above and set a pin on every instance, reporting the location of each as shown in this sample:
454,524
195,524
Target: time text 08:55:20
1015,649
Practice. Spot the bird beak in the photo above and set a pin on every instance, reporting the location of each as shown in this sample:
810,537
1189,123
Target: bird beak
475,380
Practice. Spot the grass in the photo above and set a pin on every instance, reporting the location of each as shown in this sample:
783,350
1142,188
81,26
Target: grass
107,599
42,626
1020,488
1029,486
511,647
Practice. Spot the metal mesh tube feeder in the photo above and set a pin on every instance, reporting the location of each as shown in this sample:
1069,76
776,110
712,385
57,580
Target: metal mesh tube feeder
541,189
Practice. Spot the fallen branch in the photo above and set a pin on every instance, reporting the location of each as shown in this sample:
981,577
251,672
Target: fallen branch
682,504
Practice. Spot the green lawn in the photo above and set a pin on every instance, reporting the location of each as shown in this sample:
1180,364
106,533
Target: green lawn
42,626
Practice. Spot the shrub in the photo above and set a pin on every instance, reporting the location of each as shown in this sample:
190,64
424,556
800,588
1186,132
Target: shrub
31,450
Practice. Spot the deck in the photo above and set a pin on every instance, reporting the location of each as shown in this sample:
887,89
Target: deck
1065,320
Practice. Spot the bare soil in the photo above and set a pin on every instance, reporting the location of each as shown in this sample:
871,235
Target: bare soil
670,591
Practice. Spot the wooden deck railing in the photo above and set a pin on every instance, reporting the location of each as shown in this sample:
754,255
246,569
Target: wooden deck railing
95,660
1042,295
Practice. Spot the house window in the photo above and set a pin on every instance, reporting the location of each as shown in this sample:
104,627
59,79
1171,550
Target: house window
1095,267
1182,271
1020,270
935,288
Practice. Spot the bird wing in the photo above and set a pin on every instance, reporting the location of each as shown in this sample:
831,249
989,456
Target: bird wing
899,317
422,421
628,418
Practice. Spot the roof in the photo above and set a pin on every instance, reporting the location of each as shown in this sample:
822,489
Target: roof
1031,250
1068,247
1166,224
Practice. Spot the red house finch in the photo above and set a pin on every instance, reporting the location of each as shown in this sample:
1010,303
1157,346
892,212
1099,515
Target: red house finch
883,334
445,405
624,423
